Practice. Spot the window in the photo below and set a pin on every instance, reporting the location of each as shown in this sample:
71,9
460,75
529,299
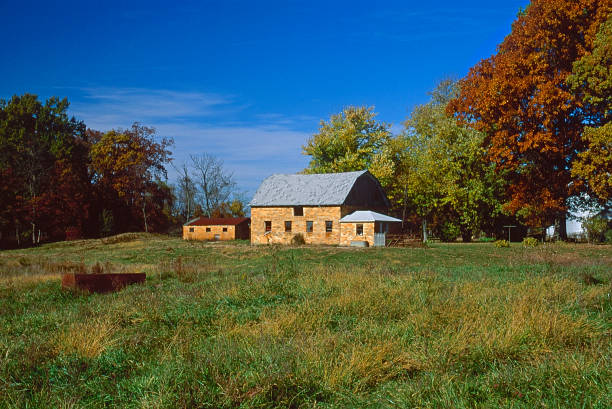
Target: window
298,211
287,226
328,226
191,229
268,225
224,229
208,230
308,227
359,230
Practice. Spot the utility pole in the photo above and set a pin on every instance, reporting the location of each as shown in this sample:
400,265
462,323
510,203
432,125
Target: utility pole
509,228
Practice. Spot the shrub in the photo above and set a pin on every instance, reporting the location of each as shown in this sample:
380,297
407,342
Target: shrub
530,242
449,231
609,236
298,240
501,243
486,239
595,227
123,238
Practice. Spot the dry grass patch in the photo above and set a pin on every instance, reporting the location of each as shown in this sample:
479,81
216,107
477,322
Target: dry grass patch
364,366
88,339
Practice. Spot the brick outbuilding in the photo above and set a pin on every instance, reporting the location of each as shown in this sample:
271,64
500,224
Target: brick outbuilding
312,205
221,228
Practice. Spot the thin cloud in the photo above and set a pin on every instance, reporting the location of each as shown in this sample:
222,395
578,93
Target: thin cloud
105,108
251,152
252,145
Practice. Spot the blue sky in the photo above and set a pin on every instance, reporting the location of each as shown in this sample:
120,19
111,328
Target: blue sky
246,81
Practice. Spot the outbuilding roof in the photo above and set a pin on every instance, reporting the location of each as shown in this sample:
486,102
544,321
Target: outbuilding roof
365,216
217,221
321,189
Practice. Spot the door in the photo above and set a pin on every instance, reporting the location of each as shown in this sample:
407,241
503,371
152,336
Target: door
379,239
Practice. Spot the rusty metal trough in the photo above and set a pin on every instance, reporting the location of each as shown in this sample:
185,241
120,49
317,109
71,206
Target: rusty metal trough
101,283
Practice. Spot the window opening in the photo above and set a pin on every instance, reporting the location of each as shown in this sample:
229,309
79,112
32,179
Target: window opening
359,230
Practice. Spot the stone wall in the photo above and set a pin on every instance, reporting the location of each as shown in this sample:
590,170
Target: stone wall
348,233
200,233
279,215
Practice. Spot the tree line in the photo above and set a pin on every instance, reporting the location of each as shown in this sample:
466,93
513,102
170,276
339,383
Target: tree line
521,140
60,179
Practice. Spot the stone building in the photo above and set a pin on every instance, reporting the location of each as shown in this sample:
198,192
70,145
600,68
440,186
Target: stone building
221,228
313,206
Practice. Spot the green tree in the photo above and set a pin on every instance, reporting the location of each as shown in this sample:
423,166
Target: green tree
596,227
43,156
591,80
351,140
446,177
593,166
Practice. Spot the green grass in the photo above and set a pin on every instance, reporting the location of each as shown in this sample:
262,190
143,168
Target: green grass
234,325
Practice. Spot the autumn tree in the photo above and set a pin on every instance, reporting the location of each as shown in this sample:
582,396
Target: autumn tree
351,140
236,208
128,166
43,161
519,98
233,208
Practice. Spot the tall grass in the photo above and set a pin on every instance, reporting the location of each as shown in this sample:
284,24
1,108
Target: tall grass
241,326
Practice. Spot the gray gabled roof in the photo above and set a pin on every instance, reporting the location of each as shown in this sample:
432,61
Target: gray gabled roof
322,189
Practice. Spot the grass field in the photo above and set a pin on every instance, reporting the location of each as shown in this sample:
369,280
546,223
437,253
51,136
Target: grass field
231,325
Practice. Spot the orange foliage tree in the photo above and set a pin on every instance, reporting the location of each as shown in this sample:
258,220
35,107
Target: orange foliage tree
128,166
520,99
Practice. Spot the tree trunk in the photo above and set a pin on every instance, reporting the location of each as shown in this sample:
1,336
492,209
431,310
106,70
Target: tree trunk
561,226
466,235
562,222
17,235
33,233
144,213
404,208
424,230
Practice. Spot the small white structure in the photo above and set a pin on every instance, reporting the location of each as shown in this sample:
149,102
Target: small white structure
365,226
